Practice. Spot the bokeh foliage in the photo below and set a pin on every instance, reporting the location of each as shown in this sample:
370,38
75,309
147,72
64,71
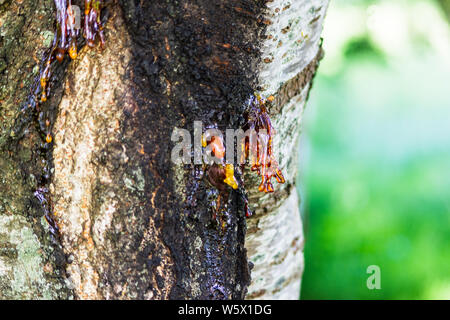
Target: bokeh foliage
375,154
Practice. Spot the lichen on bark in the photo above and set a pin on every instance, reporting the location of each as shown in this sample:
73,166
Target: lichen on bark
30,263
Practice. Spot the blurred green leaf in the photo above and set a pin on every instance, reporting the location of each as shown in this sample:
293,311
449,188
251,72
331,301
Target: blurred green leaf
377,178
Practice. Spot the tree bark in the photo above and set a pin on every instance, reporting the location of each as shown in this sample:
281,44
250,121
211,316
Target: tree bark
132,225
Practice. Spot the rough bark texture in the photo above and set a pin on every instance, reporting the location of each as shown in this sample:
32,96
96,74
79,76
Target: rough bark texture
291,53
31,266
133,225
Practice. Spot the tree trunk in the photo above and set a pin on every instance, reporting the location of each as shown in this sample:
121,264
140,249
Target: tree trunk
131,224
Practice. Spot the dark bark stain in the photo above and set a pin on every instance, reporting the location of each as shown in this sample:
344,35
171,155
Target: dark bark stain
193,60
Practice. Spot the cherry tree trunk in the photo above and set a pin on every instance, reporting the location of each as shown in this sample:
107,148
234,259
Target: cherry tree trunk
130,223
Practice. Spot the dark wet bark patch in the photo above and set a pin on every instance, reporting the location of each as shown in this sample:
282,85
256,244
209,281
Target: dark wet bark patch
193,60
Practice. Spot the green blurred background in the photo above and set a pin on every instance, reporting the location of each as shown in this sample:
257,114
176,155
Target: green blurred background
375,153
